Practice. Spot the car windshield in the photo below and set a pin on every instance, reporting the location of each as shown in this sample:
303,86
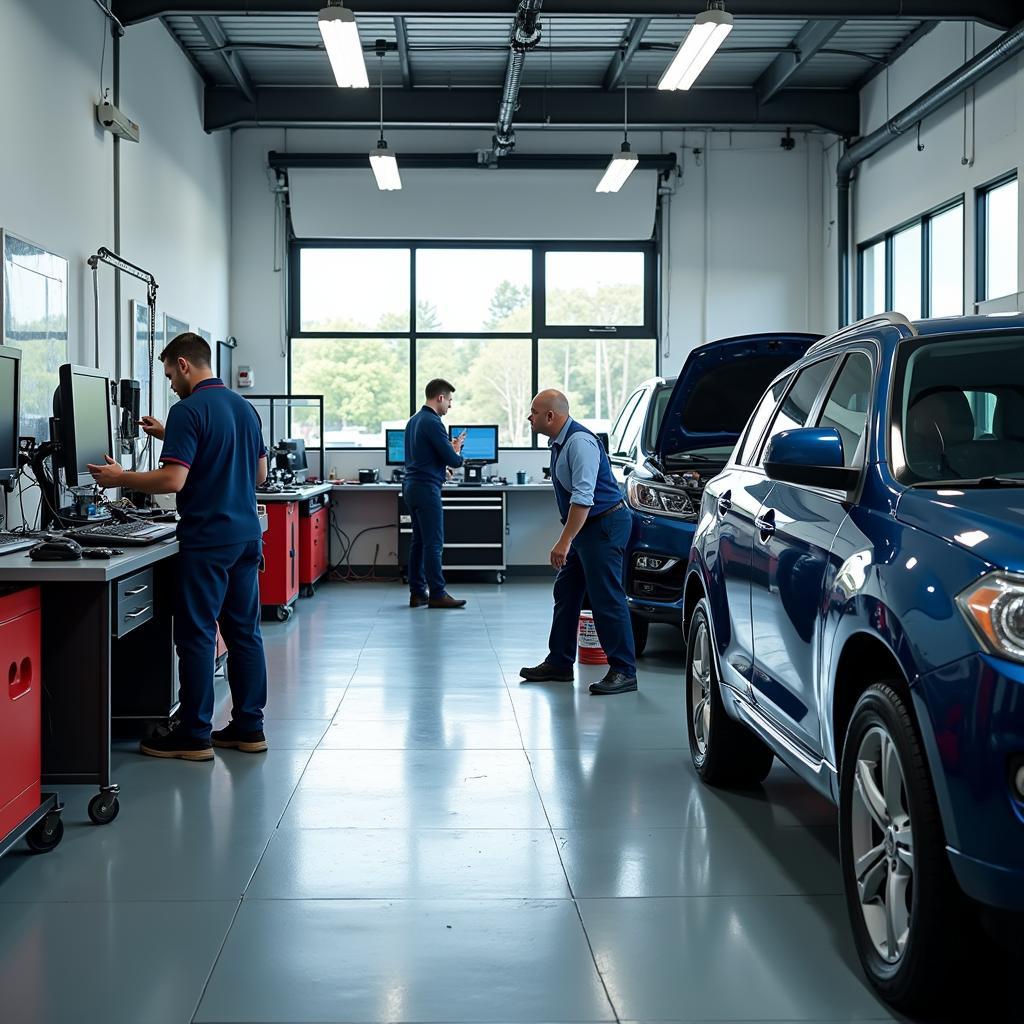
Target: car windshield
657,413
959,410
718,453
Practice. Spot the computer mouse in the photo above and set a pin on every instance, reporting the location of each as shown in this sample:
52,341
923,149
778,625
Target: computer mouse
57,550
97,553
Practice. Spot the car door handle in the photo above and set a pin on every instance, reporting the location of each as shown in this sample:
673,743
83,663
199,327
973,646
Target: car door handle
766,525
724,503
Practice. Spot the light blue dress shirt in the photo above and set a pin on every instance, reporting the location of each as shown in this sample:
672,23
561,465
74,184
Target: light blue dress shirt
579,460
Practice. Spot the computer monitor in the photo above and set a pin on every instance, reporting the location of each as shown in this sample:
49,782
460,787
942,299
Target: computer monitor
10,394
394,446
81,405
481,443
291,454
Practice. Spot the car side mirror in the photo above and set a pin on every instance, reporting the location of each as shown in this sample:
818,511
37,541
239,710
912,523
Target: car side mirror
812,456
603,438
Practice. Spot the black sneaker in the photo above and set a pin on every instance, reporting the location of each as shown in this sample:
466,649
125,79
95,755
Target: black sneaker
418,600
174,743
545,673
233,738
614,682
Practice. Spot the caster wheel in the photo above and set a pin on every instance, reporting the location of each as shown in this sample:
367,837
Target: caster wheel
500,577
284,613
46,835
103,809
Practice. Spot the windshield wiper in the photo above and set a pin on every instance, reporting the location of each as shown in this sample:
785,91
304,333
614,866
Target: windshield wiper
691,456
979,482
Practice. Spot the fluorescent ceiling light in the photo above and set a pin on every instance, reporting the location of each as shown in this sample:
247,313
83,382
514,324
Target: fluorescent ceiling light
344,50
619,168
385,168
705,36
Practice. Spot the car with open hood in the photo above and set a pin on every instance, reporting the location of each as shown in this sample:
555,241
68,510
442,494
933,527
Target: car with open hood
687,436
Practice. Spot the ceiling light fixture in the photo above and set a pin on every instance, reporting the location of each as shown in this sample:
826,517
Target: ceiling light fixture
623,163
382,159
706,35
344,49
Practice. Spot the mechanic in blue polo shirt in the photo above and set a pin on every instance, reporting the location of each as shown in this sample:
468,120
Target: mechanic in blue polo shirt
589,552
429,458
213,457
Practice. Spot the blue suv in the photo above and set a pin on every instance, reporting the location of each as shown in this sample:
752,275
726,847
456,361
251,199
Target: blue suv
686,430
855,606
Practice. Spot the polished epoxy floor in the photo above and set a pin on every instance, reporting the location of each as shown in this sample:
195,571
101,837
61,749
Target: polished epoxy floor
430,840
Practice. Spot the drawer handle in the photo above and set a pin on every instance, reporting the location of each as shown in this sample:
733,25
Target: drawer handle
138,611
137,590
19,678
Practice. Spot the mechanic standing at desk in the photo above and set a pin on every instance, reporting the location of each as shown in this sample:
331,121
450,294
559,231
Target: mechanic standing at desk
588,554
213,458
429,458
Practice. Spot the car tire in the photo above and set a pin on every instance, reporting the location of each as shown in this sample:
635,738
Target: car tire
911,944
724,752
641,629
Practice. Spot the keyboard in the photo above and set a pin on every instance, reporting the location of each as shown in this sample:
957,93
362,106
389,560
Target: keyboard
134,533
11,542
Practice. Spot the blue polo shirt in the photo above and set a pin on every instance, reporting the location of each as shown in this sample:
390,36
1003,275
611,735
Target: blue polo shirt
428,451
217,435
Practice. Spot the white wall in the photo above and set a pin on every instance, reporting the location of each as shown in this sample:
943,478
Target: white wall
57,180
900,182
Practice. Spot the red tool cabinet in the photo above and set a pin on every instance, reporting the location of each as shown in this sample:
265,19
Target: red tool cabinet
314,541
279,581
21,799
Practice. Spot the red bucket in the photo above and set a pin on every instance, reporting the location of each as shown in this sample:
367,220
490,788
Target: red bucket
590,650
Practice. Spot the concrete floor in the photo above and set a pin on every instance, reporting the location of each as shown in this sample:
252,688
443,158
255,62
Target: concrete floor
429,840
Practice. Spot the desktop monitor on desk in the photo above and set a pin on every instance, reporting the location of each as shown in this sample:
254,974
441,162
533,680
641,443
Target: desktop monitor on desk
479,449
81,409
10,393
291,456
394,447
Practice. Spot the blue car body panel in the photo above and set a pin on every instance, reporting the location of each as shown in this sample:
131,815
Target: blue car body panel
882,565
659,597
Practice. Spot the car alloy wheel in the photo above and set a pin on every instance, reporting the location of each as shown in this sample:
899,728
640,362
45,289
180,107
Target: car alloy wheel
700,688
883,844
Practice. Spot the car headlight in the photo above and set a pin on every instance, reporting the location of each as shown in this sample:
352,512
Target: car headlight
646,496
994,606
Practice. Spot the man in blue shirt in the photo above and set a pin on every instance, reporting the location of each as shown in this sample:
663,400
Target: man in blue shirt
213,457
429,458
589,552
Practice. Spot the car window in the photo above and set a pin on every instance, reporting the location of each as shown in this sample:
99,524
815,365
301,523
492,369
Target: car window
627,442
656,407
760,417
846,408
622,421
797,404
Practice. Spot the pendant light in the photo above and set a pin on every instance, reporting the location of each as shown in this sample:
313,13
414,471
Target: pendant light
382,159
706,35
340,34
623,163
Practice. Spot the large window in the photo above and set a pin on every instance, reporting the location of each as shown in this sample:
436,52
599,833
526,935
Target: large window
916,269
997,239
372,323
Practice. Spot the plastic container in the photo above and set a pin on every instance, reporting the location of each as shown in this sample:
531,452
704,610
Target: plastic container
589,644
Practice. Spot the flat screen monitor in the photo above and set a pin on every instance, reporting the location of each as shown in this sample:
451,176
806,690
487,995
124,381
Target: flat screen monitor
10,394
291,454
82,407
394,444
481,442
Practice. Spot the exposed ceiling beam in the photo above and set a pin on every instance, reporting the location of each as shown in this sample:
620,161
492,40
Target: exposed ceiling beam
919,33
211,31
832,111
532,161
620,62
809,40
403,52
1000,13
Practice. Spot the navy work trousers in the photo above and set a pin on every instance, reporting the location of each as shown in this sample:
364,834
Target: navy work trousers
594,567
424,502
220,585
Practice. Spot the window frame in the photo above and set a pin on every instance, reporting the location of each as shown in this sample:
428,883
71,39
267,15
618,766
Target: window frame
847,356
981,195
649,331
888,238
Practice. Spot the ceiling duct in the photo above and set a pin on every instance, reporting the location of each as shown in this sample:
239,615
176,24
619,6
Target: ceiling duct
525,35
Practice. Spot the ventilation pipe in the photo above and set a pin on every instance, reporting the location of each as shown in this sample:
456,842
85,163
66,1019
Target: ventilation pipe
1003,49
525,36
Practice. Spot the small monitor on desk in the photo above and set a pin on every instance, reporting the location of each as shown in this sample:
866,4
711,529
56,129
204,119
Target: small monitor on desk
81,407
10,393
481,446
394,444
291,455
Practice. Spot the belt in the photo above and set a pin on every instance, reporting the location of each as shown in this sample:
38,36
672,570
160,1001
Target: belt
607,511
